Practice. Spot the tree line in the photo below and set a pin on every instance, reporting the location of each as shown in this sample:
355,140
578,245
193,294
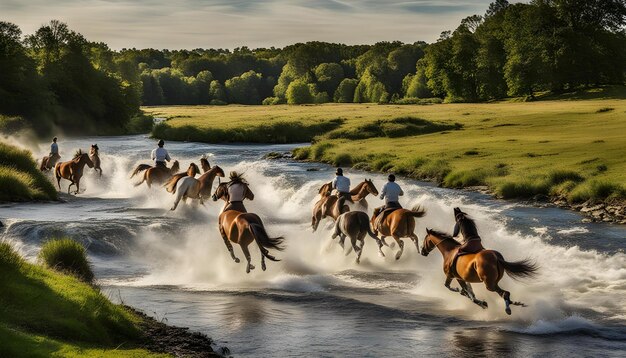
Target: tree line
511,50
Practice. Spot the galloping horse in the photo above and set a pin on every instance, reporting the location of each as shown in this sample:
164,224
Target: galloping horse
242,228
95,158
170,185
398,224
326,205
157,175
48,162
487,266
72,170
200,188
355,225
327,188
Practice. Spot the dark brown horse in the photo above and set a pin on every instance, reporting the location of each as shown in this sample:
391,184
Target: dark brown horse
95,158
156,175
326,206
355,225
241,227
170,185
487,266
190,187
72,170
398,224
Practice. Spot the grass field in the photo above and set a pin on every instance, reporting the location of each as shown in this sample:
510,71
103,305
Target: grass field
20,178
47,313
572,146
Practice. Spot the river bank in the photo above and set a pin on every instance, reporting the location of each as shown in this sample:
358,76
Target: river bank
568,150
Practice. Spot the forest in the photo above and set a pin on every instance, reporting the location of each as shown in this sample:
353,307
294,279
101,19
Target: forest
56,77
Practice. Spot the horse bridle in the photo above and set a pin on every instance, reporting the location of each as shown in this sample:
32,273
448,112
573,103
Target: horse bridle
437,244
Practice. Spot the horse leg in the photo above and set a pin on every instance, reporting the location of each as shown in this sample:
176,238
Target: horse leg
506,296
401,245
246,253
392,245
355,247
77,186
360,250
380,247
467,289
68,188
178,197
229,246
58,181
416,241
263,267
447,284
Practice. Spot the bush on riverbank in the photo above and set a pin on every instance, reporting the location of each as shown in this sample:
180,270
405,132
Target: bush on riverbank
20,179
66,255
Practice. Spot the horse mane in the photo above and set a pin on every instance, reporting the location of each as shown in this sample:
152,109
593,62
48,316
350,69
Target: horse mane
78,153
358,187
442,235
467,224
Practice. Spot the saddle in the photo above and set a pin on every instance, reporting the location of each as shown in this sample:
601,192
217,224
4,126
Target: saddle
381,215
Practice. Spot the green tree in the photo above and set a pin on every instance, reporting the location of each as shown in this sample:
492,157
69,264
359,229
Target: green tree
244,89
299,92
328,76
345,91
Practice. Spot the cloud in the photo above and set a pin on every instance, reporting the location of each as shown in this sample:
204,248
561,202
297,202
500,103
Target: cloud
253,23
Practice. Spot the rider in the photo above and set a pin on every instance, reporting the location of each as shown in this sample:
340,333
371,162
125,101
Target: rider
391,192
237,191
160,155
471,240
54,156
341,185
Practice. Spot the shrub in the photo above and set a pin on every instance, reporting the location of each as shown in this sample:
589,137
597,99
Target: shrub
596,190
605,109
380,164
602,168
217,102
342,160
465,178
9,259
319,149
409,166
435,170
420,101
68,256
273,101
301,153
392,128
560,176
140,124
345,91
471,152
299,92
522,189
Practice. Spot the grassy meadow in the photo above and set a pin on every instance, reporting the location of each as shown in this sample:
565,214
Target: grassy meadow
572,146
20,178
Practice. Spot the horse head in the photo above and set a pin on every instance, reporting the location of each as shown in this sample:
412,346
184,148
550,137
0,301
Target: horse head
221,192
175,167
94,149
84,158
204,163
370,187
219,172
428,245
193,170
325,189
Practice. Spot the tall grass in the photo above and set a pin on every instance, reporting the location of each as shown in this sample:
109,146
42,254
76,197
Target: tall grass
391,128
20,179
596,190
9,259
68,256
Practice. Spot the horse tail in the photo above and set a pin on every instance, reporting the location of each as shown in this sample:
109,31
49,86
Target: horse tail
140,168
264,241
42,167
417,212
170,186
518,269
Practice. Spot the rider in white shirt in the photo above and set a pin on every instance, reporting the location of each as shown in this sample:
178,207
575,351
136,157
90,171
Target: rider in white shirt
341,185
391,192
54,155
238,190
160,155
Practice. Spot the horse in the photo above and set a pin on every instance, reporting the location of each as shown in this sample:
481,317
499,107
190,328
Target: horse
398,224
48,162
326,189
200,188
355,225
95,158
242,228
158,175
326,205
170,185
487,266
72,170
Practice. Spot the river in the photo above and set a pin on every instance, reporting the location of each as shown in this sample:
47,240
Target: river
317,302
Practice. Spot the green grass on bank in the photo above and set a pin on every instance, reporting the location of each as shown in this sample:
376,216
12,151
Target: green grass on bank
20,178
44,313
569,145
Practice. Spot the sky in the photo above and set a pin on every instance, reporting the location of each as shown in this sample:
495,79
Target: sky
189,24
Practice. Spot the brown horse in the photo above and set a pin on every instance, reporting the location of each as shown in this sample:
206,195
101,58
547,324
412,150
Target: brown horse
487,266
72,170
325,207
242,228
355,225
95,158
190,187
157,175
48,162
327,188
170,185
398,224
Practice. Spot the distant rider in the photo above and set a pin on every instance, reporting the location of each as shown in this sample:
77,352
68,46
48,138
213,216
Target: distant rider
341,185
238,190
54,156
160,155
390,193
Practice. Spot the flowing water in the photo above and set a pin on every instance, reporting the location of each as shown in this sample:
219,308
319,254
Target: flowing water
317,301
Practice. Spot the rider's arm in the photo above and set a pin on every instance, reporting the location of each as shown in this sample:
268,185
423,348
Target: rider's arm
401,191
457,228
167,156
334,183
153,154
383,192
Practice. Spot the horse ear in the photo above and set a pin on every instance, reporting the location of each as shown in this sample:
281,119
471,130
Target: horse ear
428,231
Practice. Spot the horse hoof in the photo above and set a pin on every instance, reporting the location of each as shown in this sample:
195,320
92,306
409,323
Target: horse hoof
251,267
398,256
237,260
484,305
263,268
392,245
508,311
